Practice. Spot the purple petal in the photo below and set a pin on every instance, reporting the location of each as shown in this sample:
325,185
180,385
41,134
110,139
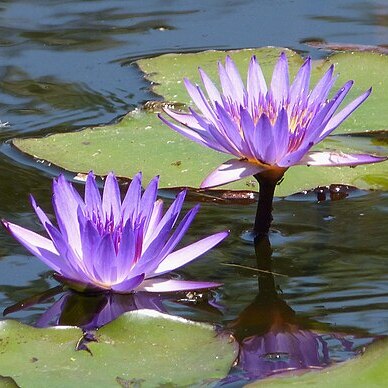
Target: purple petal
127,286
230,171
228,133
155,219
280,82
66,202
92,195
248,130
300,87
187,132
235,79
130,205
183,256
90,241
338,98
322,88
178,234
212,91
256,84
39,246
188,120
70,262
172,213
199,100
148,200
281,134
339,159
322,118
79,285
266,141
171,285
150,256
226,83
111,201
105,258
214,136
41,215
294,157
336,120
127,251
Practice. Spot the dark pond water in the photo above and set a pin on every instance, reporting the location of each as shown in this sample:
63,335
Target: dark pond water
67,64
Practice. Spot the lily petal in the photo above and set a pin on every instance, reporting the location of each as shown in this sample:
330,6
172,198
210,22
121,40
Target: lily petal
256,85
336,120
172,285
111,201
184,255
128,285
339,159
39,246
280,82
231,171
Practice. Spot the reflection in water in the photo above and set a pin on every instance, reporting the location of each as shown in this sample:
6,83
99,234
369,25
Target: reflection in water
272,339
92,311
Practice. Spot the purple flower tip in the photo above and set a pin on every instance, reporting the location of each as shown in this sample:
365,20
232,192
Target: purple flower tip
264,127
108,244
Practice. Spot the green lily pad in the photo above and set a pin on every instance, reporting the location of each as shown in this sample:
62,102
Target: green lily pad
141,142
139,347
7,382
368,370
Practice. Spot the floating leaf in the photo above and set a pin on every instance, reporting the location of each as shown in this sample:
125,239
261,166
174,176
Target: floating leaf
141,142
140,346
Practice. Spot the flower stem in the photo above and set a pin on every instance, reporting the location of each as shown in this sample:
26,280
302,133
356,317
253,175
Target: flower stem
264,206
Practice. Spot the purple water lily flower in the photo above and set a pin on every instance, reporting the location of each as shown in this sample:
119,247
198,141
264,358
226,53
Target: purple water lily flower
266,129
112,245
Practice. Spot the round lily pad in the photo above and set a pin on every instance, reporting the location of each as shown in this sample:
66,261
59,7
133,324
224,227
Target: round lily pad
141,347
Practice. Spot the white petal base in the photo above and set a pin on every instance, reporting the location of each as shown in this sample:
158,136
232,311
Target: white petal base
230,171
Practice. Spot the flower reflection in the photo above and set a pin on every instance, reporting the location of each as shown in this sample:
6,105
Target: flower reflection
94,310
272,338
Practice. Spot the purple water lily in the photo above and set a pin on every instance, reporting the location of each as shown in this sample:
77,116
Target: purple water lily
267,129
105,244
